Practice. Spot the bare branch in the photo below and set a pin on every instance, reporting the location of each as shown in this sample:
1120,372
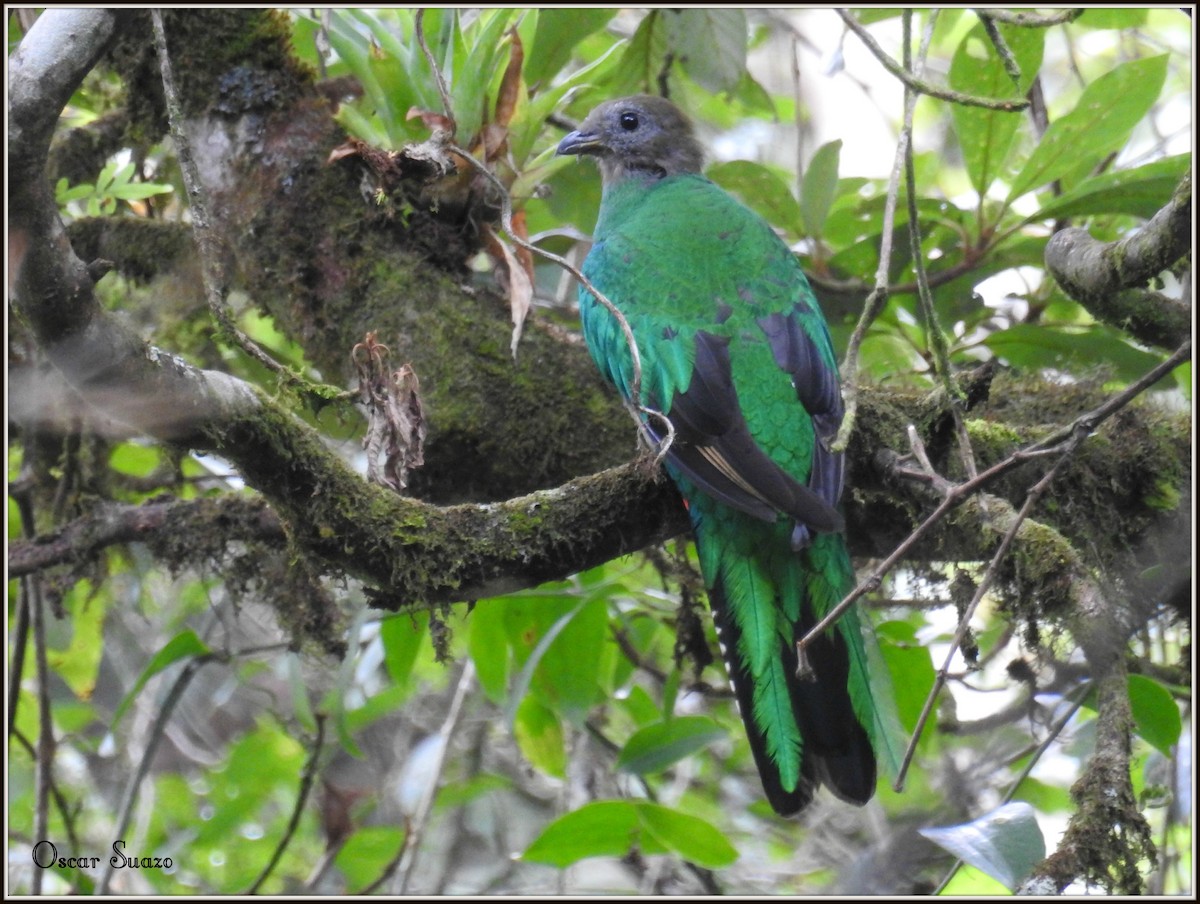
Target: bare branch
921,86
306,785
1102,276
234,518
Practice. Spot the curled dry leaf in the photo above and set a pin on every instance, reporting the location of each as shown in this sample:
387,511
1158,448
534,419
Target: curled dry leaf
517,279
434,121
510,85
396,428
493,137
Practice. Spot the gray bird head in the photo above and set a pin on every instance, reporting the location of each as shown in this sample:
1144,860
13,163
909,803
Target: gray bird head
642,136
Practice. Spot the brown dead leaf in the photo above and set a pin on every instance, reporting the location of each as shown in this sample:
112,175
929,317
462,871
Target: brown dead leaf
494,138
516,280
395,437
435,122
521,230
510,85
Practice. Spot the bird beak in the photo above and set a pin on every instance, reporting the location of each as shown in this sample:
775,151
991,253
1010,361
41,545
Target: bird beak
579,142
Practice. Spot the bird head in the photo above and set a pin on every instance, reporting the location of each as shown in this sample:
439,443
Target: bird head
642,135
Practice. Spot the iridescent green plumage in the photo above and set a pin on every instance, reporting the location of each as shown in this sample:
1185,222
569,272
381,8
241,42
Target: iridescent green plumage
735,352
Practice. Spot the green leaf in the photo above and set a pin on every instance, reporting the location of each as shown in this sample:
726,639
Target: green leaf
487,645
655,747
613,828
969,882
569,675
1112,17
1100,123
1006,843
301,704
135,459
1042,796
710,44
605,828
559,641
122,177
260,764
453,795
986,136
182,646
558,31
1155,713
761,189
640,706
1138,192
692,838
79,663
136,191
1029,345
643,56
64,195
367,852
402,637
105,179
911,668
820,187
539,734
385,703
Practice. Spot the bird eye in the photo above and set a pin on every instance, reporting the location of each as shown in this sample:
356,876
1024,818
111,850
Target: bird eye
629,121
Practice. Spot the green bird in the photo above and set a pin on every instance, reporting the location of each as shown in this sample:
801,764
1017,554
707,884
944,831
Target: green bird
735,353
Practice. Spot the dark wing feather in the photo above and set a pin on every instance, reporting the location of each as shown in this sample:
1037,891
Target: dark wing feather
714,448
817,388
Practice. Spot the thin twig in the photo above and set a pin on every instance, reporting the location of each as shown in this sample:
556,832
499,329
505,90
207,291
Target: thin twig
44,761
419,30
954,495
65,813
989,578
1034,757
933,329
157,731
19,491
306,784
416,826
1013,105
934,333
878,297
1002,49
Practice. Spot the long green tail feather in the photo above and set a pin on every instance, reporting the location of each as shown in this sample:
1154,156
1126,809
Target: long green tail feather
804,730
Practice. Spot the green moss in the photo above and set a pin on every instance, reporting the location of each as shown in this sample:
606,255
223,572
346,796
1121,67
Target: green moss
993,434
1164,497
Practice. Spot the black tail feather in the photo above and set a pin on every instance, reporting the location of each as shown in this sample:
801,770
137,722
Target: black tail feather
837,750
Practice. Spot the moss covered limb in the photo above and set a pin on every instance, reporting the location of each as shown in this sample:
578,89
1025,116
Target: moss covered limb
417,552
1108,838
1122,496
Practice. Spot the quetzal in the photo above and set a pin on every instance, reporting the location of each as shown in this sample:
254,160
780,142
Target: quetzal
735,352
